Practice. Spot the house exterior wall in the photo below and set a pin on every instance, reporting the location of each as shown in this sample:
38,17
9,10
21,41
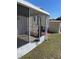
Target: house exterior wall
54,26
43,21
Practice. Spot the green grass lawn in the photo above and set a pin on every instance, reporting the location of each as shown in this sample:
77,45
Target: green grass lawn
50,49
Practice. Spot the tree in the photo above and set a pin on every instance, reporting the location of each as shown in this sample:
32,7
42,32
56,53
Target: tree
59,18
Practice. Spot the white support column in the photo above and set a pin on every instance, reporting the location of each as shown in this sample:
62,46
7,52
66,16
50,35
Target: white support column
39,27
46,27
29,25
38,19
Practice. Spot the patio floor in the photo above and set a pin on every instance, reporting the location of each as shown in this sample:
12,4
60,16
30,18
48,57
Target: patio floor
20,43
23,39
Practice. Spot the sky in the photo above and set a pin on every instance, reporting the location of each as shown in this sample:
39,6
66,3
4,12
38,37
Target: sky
51,6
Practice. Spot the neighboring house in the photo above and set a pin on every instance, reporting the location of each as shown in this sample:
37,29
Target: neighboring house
54,26
32,27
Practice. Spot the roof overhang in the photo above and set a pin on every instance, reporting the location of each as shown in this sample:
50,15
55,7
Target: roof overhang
27,4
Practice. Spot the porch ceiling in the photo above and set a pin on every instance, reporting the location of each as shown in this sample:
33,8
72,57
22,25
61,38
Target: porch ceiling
34,12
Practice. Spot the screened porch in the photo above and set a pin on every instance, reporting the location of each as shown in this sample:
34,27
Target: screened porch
31,25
